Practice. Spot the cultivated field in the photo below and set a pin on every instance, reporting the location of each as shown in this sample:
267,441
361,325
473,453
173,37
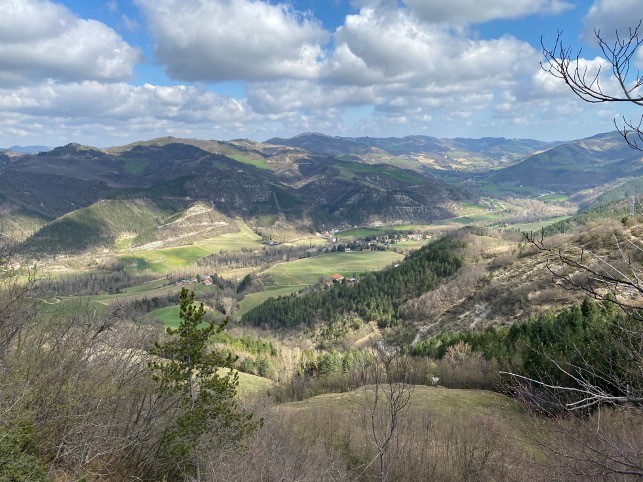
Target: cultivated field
308,271
255,299
168,259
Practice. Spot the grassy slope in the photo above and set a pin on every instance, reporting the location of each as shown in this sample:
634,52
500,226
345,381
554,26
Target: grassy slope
256,162
308,271
97,225
250,384
339,410
169,315
435,399
165,260
255,299
292,276
18,224
244,238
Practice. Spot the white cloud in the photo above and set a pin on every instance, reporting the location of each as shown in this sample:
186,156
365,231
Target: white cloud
459,12
304,95
43,40
121,101
392,48
608,16
234,39
99,113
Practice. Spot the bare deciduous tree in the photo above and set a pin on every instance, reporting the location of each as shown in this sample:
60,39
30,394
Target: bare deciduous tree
384,407
563,63
617,277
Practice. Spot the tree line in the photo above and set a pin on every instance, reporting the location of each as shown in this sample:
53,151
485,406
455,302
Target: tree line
377,296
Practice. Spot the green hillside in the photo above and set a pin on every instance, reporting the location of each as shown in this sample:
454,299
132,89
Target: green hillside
569,168
375,297
307,271
100,224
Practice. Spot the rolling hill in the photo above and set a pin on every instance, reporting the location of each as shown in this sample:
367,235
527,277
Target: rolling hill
67,184
458,153
571,167
306,182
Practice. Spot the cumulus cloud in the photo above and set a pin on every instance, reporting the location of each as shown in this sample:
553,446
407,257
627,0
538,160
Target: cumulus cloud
234,39
43,40
92,99
97,113
608,16
476,11
276,97
391,47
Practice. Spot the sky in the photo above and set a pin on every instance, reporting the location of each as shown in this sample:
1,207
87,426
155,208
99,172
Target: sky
110,72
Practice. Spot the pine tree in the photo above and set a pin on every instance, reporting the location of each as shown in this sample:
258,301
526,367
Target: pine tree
186,366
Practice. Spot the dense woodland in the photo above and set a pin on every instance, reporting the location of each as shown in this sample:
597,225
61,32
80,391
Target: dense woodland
375,296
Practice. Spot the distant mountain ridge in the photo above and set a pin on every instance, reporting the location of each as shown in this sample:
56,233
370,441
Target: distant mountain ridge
311,181
574,166
447,153
70,184
26,149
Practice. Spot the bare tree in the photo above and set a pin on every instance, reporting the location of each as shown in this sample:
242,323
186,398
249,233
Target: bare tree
17,297
384,408
564,63
616,277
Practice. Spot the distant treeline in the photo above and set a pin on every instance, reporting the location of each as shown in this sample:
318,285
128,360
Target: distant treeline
91,283
247,257
376,296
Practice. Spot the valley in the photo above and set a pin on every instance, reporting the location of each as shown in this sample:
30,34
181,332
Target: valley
343,267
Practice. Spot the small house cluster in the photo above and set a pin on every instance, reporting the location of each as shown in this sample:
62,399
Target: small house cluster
330,235
205,280
338,278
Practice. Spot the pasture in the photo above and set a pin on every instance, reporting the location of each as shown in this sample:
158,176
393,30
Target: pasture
169,315
253,300
258,162
308,271
537,225
165,260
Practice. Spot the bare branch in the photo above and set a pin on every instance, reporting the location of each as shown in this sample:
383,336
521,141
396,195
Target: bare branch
561,62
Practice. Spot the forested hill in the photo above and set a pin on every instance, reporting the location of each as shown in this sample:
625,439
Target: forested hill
375,297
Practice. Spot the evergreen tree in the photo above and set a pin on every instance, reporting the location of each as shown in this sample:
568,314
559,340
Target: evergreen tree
185,366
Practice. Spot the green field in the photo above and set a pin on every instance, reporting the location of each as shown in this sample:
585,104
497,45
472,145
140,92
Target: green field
244,238
363,232
170,315
133,166
260,163
250,384
163,260
308,271
411,244
167,259
306,242
537,225
349,170
477,218
255,299
360,233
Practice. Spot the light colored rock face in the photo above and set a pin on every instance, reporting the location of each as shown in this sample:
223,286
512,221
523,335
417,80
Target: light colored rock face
199,221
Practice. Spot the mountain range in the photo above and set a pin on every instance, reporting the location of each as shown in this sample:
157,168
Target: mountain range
309,181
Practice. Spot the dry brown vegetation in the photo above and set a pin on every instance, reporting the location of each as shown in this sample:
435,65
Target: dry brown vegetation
445,435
